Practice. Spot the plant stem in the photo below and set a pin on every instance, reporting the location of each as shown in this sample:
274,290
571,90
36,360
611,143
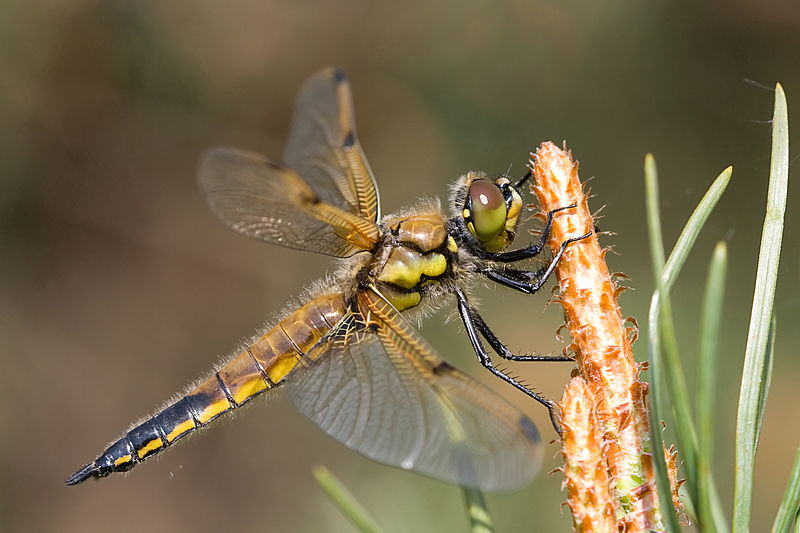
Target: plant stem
480,520
345,501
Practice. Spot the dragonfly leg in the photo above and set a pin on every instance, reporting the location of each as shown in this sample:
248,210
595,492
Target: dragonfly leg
478,327
527,281
520,182
520,280
534,249
497,345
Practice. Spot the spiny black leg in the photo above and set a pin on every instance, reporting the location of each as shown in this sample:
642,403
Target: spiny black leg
516,279
505,278
534,249
483,356
500,348
523,179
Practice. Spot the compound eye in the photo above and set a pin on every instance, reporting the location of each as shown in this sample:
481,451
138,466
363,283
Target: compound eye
488,209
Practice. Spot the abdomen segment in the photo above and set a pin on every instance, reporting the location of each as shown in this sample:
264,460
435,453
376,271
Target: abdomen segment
257,368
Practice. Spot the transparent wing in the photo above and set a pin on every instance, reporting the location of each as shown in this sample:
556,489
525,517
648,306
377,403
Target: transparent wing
323,147
379,388
263,200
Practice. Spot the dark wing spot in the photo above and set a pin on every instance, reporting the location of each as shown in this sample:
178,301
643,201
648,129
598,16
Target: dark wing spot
349,140
339,76
443,368
529,429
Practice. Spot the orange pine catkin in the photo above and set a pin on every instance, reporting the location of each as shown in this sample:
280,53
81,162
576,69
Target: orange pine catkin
610,400
586,476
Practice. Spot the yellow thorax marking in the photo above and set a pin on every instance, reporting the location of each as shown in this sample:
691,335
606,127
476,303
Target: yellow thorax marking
451,244
403,300
407,274
513,212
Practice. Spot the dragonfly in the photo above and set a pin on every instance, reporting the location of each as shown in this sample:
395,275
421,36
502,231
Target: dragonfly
349,357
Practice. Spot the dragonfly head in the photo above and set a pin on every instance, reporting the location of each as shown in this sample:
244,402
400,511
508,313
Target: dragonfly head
488,209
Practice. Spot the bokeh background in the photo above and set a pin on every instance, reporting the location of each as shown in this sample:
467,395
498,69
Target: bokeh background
117,286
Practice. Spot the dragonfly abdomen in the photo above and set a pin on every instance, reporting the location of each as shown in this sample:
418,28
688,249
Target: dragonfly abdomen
258,367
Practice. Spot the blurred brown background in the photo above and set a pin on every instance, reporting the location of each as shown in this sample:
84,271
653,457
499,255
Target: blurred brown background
117,285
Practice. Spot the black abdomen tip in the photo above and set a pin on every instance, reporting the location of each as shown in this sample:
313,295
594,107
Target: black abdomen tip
90,470
338,75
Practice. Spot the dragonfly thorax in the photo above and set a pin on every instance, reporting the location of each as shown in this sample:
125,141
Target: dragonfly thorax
417,255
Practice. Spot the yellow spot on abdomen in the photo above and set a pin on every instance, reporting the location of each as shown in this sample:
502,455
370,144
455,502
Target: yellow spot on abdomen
220,406
180,429
281,367
153,445
122,460
249,389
